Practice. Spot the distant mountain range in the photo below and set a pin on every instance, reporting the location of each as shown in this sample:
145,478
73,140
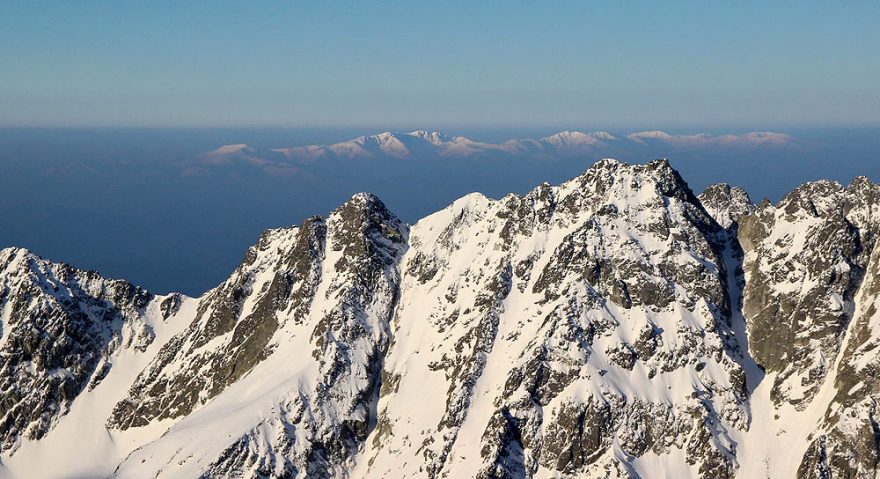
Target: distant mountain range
435,144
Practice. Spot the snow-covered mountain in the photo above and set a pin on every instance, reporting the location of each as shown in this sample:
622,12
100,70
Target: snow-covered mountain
403,145
424,144
616,325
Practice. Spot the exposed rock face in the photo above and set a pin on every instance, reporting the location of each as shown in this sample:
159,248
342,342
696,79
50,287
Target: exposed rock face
726,203
331,283
59,328
561,311
809,302
616,325
239,318
802,273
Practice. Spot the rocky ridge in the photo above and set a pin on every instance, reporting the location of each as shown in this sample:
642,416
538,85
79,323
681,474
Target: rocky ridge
617,325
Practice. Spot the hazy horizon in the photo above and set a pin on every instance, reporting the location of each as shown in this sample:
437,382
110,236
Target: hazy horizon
116,200
106,110
743,65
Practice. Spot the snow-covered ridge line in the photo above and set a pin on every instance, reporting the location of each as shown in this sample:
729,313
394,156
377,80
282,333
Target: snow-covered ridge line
421,142
615,325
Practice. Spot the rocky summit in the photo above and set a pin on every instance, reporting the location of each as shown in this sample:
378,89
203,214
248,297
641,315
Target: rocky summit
615,326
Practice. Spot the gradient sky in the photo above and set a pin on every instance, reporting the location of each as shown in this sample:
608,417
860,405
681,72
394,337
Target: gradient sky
439,64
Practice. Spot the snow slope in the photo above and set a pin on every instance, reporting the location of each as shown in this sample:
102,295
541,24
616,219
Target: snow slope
616,325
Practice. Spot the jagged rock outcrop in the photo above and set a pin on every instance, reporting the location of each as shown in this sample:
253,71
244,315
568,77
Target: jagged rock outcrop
805,261
239,318
726,203
808,296
561,311
60,327
333,285
616,325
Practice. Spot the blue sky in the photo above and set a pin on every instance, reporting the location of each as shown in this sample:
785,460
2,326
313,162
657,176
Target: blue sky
440,64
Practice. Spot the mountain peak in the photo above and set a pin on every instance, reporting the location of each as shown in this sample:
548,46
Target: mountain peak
726,203
12,251
229,150
12,257
367,200
433,137
364,205
569,138
602,327
436,144
658,168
